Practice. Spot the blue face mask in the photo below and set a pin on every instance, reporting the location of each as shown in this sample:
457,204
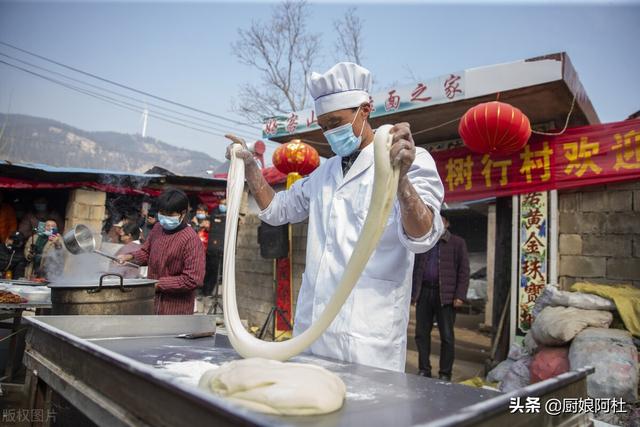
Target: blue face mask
223,208
342,140
201,216
169,222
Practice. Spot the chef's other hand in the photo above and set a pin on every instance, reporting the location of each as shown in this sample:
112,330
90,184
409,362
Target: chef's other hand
403,150
243,154
121,259
457,303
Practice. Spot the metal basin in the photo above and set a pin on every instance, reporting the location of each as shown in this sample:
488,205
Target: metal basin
111,294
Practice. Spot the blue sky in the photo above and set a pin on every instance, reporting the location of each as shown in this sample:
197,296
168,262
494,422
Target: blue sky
182,51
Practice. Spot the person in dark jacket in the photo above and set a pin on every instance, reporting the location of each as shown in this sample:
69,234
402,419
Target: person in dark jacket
149,222
12,257
440,283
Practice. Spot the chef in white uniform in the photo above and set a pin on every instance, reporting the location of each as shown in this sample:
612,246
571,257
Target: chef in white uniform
371,328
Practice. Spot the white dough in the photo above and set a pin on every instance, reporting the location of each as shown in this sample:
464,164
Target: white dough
277,388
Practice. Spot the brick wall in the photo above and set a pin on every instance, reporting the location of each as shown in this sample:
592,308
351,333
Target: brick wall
86,207
254,274
600,234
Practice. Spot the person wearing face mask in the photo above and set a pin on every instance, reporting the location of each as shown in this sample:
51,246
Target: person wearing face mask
12,259
202,211
44,251
222,207
40,213
371,327
174,254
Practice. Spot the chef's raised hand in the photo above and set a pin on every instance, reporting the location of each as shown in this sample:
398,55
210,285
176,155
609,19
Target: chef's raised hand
259,187
417,218
403,150
243,154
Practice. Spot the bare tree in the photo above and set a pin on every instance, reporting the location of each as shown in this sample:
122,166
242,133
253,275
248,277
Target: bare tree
349,30
283,51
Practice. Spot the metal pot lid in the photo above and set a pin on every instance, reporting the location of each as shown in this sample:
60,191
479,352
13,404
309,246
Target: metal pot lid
107,282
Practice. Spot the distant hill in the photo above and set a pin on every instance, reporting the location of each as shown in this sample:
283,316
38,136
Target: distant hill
40,140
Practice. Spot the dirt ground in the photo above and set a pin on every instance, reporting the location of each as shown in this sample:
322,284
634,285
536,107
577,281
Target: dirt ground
472,347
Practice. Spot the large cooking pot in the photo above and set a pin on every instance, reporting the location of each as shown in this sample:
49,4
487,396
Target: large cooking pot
111,294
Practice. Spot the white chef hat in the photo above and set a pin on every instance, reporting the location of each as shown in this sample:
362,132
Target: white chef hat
345,85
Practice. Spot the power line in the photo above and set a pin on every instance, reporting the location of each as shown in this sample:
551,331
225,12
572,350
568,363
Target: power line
118,103
112,101
197,110
232,128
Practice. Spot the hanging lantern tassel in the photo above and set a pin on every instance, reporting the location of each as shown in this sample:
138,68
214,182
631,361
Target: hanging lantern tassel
295,159
494,128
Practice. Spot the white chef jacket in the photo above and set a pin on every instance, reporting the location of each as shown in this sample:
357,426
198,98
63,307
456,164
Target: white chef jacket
371,328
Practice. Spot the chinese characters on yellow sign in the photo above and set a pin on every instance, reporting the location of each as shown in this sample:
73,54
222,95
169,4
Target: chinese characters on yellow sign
532,270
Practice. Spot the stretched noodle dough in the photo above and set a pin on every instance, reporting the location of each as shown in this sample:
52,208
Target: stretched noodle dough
277,388
385,186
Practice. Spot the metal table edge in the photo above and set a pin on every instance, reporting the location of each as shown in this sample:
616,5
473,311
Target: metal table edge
134,367
495,405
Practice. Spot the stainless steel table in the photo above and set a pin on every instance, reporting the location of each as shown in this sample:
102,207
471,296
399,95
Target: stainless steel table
109,367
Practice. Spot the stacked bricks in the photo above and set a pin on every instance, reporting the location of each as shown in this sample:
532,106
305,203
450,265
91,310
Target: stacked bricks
600,234
86,207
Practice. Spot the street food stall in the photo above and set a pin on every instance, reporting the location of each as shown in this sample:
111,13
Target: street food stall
144,370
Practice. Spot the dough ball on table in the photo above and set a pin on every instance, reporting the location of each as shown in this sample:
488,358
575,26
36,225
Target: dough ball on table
277,388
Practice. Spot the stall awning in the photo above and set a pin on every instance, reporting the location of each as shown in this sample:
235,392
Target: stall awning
543,88
40,176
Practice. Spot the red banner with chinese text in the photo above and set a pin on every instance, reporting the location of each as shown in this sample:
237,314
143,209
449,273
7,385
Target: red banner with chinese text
583,156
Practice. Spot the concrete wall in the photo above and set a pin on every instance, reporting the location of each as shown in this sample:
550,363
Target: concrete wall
254,274
600,234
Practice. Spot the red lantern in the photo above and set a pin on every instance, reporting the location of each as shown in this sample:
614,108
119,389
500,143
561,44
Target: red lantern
296,156
494,128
